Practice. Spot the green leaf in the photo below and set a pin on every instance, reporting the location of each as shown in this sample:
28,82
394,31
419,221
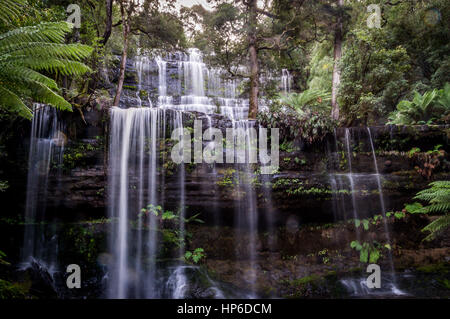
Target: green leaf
364,254
413,208
366,224
374,255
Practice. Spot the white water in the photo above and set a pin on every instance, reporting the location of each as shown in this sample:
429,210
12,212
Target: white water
383,207
286,80
136,176
142,65
47,142
360,210
351,179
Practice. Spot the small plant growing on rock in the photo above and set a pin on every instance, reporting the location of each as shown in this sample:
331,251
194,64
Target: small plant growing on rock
195,256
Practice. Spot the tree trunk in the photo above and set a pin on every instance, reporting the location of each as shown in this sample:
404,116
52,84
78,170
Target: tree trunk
108,28
254,82
253,55
123,62
336,70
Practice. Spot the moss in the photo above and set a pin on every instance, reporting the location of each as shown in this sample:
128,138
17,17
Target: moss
306,280
10,290
143,94
130,87
80,154
435,268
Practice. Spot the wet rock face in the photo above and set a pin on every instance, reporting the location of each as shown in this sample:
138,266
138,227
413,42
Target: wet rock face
311,261
302,190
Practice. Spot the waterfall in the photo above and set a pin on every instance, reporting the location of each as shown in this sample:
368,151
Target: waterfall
133,182
47,142
286,81
246,219
351,179
360,210
163,99
383,207
142,65
136,177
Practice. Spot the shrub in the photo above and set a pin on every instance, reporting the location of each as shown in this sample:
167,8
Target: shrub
305,115
429,108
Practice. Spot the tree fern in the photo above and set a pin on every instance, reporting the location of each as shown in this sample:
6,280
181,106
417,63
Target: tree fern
10,9
310,98
25,53
438,198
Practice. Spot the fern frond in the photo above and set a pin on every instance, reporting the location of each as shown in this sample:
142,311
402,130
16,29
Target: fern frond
441,184
10,10
42,94
436,227
25,52
44,32
38,50
436,208
54,65
23,74
13,103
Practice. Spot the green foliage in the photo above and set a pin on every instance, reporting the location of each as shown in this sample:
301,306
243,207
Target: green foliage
413,208
228,179
308,124
9,290
321,65
79,154
168,226
311,99
423,109
195,256
373,76
368,252
27,51
2,261
364,223
3,186
438,199
413,152
382,66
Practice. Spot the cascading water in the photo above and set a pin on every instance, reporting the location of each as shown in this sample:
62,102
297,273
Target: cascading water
133,166
356,183
46,155
142,66
246,219
383,212
136,176
286,80
351,179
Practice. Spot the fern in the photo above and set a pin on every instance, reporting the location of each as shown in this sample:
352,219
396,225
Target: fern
26,52
437,227
309,98
10,10
438,198
423,109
